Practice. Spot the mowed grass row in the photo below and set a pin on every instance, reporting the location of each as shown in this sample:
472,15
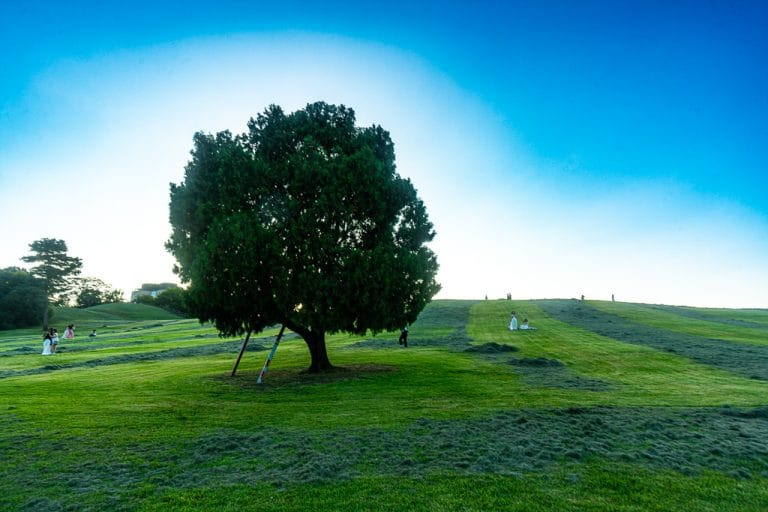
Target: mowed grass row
740,358
727,327
633,374
741,317
470,415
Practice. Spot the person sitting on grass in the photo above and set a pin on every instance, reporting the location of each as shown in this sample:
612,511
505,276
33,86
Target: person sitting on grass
513,322
525,326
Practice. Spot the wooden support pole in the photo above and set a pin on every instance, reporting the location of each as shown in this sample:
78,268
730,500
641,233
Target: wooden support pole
242,350
271,355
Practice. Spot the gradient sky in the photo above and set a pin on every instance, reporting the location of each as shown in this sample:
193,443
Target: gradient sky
562,148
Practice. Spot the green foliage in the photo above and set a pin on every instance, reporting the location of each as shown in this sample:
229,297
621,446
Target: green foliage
302,221
156,287
172,299
21,298
55,269
144,299
93,291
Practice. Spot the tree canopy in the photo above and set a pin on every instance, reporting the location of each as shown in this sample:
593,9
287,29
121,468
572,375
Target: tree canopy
22,298
93,291
172,299
55,269
302,221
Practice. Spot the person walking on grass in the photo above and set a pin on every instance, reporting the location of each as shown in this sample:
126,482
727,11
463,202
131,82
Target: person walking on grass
404,337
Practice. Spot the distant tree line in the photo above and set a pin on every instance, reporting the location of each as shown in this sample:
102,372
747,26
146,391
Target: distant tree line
167,296
22,298
93,291
29,295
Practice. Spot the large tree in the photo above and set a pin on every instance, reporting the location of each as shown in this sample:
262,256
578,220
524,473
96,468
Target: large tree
55,269
21,298
172,299
301,221
93,291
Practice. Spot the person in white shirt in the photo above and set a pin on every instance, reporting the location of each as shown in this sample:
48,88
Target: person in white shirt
54,340
513,322
47,344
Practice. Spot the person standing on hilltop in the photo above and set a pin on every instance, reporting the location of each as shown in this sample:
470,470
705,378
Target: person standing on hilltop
513,322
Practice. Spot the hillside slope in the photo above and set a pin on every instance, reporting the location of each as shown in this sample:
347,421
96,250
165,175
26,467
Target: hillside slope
109,314
604,406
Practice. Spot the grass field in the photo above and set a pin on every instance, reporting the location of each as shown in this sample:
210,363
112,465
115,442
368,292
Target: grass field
605,406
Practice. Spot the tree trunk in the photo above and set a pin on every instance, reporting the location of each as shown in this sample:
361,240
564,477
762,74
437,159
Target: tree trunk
316,344
45,317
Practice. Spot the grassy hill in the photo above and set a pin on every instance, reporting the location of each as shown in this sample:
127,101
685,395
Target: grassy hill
97,317
110,314
605,406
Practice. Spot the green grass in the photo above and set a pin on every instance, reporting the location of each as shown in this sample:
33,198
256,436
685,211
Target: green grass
747,359
722,326
470,417
97,317
108,314
591,488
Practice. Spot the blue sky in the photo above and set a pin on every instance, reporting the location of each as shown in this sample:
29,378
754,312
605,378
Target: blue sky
562,148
